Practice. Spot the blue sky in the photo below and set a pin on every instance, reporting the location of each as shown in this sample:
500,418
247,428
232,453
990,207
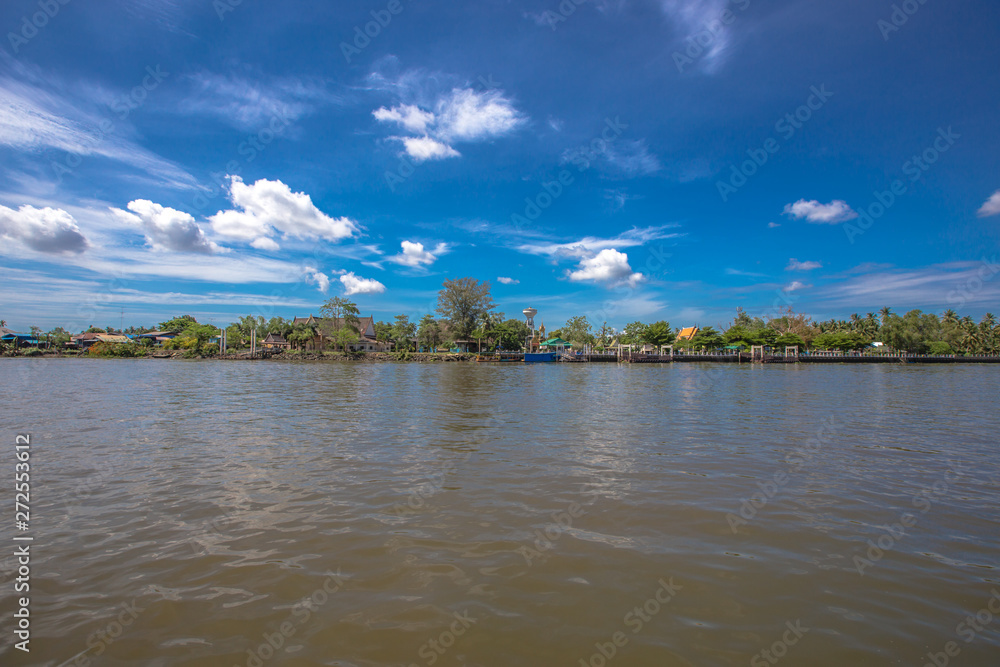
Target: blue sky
621,159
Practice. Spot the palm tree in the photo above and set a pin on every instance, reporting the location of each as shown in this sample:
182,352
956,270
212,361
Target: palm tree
949,317
885,313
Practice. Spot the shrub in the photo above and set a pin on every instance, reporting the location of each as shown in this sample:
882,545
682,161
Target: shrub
115,350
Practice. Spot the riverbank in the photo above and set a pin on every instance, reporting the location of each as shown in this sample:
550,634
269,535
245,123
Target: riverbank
439,357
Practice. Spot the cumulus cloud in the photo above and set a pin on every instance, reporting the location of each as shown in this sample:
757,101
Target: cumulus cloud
463,114
821,214
608,267
411,117
269,207
47,230
166,228
356,285
796,285
414,254
315,277
422,149
991,207
796,265
508,281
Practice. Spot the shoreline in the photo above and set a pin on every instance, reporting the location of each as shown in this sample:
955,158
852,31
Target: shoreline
466,357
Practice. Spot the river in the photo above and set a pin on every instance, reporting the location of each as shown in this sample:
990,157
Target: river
282,513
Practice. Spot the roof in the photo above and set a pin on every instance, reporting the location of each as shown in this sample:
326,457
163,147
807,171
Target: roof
275,338
158,334
555,342
113,338
687,333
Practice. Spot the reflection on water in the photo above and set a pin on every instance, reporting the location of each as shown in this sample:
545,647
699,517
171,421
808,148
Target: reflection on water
214,513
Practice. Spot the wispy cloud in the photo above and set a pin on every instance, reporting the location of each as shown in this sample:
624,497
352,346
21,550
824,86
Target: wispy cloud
250,103
796,265
508,281
590,245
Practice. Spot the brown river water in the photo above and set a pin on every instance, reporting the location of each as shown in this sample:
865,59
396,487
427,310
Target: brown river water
279,513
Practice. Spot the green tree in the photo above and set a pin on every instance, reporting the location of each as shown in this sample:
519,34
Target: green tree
300,335
178,323
429,333
577,331
403,331
464,302
341,321
634,333
707,338
659,334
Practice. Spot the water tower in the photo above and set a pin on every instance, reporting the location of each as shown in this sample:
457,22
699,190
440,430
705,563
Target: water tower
529,318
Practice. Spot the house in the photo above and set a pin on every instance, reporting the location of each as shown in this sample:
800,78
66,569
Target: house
687,333
325,325
275,342
19,339
85,340
159,337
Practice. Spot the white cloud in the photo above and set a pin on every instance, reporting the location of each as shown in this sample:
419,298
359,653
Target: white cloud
991,207
590,245
822,214
795,285
425,148
267,207
47,230
411,117
356,285
415,256
462,114
263,243
166,228
315,277
631,158
508,281
796,265
609,267
773,225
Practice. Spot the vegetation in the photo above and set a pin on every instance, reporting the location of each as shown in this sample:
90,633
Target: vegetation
115,350
465,303
342,322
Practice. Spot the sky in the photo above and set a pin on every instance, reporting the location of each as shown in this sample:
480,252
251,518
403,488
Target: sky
620,159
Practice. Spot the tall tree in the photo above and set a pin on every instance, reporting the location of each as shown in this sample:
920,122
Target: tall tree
577,331
464,302
659,334
429,333
403,330
634,333
341,321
